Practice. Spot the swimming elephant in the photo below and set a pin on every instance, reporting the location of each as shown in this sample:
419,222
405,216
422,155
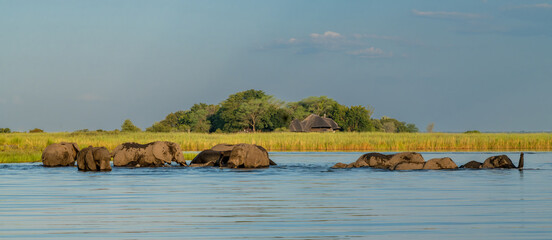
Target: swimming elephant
60,154
399,161
154,154
500,161
223,147
233,156
94,159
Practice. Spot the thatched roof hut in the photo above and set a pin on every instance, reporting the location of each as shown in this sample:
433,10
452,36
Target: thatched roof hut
314,123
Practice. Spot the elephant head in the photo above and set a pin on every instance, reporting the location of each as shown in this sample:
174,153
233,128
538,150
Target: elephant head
94,159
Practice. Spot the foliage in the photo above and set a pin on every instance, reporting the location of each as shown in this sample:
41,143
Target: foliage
229,120
128,126
357,118
36,130
5,130
254,110
394,125
159,127
472,131
197,119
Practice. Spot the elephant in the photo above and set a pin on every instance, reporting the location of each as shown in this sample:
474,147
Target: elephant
399,161
223,147
154,154
500,161
60,154
94,159
233,156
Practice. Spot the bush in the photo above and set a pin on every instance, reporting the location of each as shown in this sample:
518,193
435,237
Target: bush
159,127
282,129
128,126
472,131
36,130
5,130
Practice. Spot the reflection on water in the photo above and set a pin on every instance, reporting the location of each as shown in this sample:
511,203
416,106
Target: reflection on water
301,198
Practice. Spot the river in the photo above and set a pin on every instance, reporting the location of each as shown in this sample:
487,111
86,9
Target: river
301,198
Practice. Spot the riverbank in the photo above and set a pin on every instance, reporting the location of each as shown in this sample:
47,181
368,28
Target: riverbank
27,147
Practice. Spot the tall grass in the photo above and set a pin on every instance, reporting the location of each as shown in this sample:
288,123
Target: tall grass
340,141
19,157
27,147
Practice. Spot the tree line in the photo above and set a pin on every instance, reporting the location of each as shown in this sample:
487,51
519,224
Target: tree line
254,110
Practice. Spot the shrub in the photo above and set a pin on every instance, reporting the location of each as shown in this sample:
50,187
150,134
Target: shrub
36,130
472,131
128,126
5,130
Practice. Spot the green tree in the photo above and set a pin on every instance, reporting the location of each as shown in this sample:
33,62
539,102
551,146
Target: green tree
318,105
159,127
237,108
358,119
128,126
5,130
397,125
253,113
198,117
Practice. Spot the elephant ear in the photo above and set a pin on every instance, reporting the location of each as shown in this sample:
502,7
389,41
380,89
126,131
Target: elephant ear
76,147
89,159
161,151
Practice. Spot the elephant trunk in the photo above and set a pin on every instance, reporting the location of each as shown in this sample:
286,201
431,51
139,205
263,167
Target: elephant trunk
520,164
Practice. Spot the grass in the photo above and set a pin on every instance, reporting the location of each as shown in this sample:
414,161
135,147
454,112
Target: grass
28,146
19,157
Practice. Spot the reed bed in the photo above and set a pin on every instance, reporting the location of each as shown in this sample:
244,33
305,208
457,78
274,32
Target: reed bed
339,141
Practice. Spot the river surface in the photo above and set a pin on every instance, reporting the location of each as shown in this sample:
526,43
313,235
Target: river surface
301,198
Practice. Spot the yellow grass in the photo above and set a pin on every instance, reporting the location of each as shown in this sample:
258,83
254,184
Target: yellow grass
33,143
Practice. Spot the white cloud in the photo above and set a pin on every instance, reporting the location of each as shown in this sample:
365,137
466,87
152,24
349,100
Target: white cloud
370,52
448,15
319,43
326,35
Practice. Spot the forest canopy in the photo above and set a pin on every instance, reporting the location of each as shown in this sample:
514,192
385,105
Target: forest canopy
254,110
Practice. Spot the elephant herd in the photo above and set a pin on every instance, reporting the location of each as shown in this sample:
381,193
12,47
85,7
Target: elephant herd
154,154
159,153
415,161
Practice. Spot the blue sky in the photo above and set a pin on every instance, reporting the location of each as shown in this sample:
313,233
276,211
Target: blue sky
68,65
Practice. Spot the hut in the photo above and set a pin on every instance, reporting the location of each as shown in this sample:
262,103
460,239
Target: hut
314,123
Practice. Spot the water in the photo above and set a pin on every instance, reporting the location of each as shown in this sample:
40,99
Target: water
301,198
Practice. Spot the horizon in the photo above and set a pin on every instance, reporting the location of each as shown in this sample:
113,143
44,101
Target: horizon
467,65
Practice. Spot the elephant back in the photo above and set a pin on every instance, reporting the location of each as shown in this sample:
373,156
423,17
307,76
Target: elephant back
440,163
247,156
60,154
128,154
